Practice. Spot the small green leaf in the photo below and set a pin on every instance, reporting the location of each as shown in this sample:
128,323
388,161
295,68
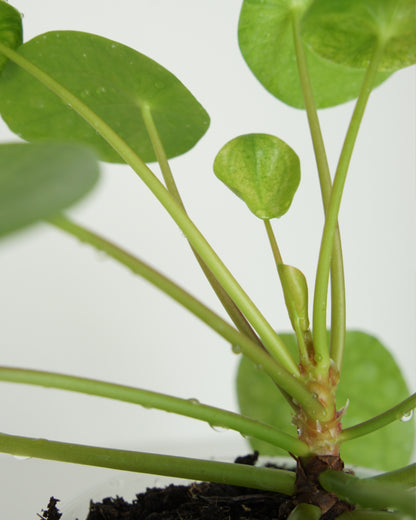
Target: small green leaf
39,180
265,35
113,80
370,380
348,31
262,170
11,32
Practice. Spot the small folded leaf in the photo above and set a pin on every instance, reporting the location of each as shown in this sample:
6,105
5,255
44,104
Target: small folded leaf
295,290
262,170
372,383
348,31
305,512
115,81
11,32
39,180
265,35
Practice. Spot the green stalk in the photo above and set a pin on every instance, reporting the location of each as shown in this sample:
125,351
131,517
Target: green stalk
372,515
384,419
338,311
259,356
327,243
193,469
273,243
368,493
231,308
269,337
305,512
405,477
303,351
186,407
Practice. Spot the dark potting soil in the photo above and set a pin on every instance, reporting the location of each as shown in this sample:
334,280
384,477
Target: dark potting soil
202,501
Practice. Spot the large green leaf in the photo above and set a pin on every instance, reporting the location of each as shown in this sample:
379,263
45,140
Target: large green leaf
370,380
265,36
11,32
39,180
115,81
348,31
262,170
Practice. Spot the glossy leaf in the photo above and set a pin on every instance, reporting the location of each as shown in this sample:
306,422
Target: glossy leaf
262,170
265,35
348,31
11,32
370,380
39,180
113,80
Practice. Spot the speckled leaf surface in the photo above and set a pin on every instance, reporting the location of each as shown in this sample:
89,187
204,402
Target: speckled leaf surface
262,170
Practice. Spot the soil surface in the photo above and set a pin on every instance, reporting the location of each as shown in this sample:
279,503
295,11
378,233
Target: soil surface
203,501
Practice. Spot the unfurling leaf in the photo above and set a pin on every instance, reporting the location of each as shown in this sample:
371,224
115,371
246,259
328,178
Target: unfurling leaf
262,170
295,290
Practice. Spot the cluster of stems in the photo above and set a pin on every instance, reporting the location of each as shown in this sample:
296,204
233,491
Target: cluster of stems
309,386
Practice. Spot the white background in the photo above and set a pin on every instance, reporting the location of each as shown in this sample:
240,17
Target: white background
65,308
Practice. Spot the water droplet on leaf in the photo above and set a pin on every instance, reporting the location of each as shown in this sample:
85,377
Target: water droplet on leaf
407,416
193,401
236,349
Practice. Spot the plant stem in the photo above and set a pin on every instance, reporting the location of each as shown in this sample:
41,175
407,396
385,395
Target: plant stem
305,512
327,243
368,493
180,467
273,243
406,477
338,312
282,377
372,515
384,419
186,407
266,332
231,308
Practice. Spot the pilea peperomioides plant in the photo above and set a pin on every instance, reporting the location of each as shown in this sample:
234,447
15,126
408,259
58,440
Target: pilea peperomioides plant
79,98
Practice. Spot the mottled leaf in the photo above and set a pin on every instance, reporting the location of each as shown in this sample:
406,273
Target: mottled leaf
262,170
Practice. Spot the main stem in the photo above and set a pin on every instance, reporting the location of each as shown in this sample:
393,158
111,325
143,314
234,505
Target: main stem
327,243
269,337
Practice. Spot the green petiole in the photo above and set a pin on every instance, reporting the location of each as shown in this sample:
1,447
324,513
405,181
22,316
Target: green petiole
186,407
180,467
338,312
328,237
267,334
282,377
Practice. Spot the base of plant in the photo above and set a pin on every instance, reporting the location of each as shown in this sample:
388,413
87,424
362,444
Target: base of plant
207,501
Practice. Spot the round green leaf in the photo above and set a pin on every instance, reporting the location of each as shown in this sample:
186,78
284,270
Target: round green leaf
262,170
39,180
113,80
348,31
371,381
265,35
11,32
